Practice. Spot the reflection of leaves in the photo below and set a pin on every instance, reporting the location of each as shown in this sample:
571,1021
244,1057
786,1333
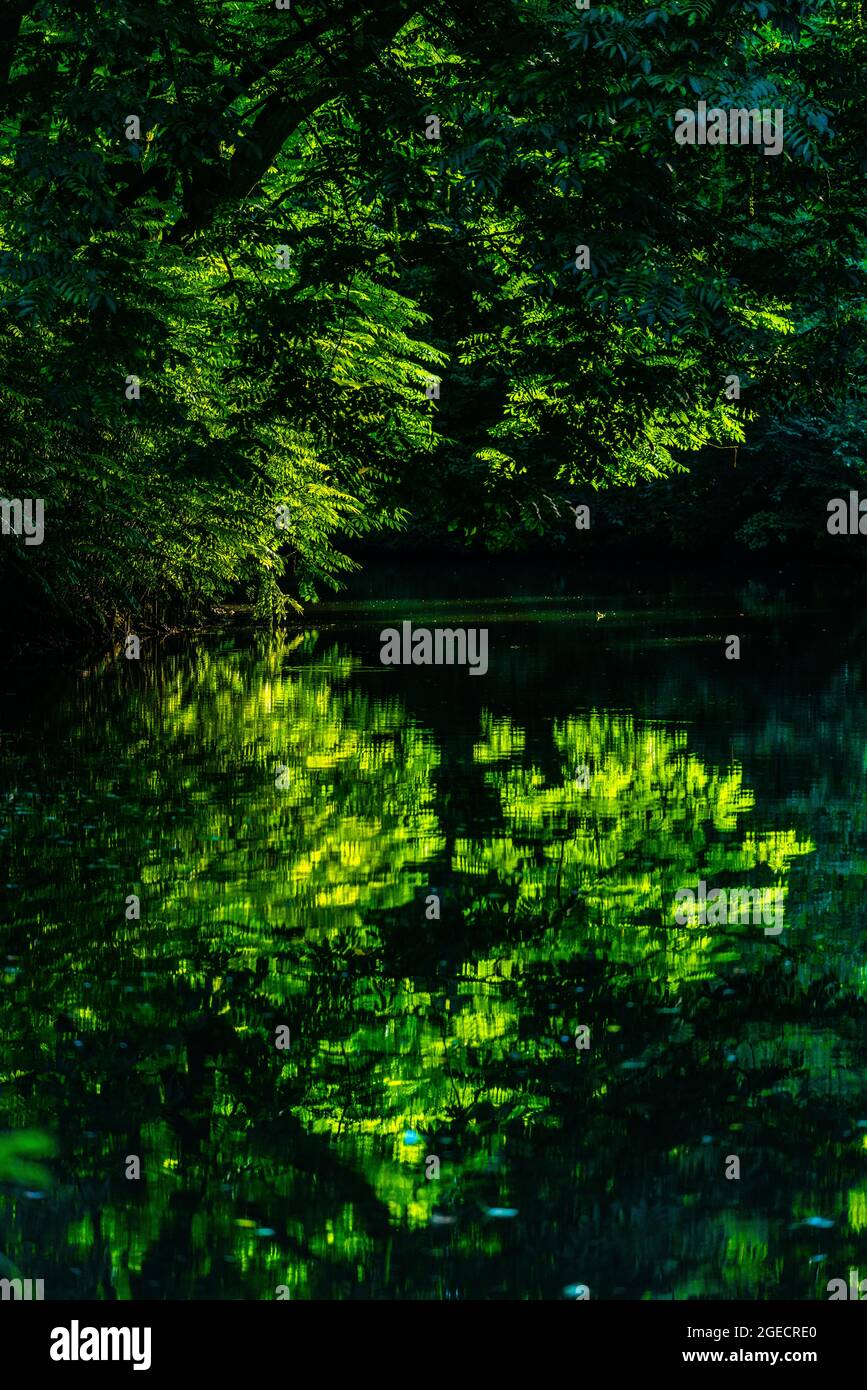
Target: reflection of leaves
20,1156
310,910
626,841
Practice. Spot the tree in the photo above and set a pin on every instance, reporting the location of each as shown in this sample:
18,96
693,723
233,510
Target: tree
233,263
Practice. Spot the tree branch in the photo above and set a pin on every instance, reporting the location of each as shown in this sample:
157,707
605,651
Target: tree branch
279,118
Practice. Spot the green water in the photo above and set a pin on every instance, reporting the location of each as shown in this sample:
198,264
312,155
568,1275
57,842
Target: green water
285,809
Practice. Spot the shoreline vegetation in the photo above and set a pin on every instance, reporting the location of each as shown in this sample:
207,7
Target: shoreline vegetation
439,570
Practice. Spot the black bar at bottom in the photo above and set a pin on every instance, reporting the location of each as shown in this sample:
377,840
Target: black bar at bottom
153,1339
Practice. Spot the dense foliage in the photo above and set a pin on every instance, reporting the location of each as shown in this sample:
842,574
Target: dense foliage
284,392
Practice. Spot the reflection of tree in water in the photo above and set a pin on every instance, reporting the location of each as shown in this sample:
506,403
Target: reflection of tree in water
652,818
306,906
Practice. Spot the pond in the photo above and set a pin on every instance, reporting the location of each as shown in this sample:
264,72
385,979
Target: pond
323,978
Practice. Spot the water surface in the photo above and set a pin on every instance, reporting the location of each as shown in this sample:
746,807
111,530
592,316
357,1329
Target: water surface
286,810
